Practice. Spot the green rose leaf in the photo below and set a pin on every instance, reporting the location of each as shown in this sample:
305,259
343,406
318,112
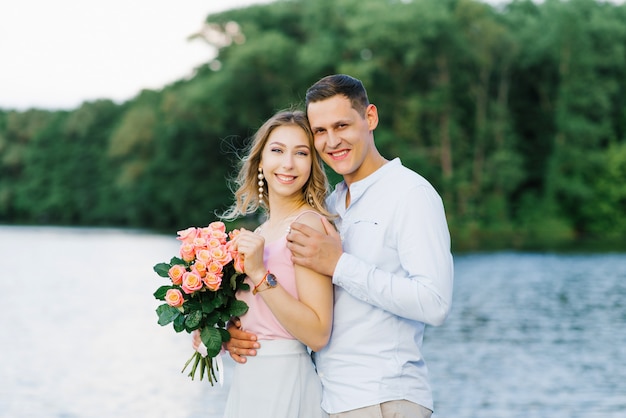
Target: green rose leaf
238,308
224,334
162,269
167,314
212,338
193,320
233,281
218,300
207,308
222,318
161,291
176,260
193,304
212,318
179,323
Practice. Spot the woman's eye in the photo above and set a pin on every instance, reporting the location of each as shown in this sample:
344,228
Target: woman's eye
276,150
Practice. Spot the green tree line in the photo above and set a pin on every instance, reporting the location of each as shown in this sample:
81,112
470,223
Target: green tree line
515,113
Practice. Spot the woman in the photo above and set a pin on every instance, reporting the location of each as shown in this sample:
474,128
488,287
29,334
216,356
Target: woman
290,307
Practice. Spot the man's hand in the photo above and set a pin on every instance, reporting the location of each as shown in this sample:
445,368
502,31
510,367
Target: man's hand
241,343
315,250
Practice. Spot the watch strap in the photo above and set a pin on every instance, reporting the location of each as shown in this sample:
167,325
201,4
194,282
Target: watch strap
269,281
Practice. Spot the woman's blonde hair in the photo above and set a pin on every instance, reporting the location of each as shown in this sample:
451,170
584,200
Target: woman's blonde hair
246,183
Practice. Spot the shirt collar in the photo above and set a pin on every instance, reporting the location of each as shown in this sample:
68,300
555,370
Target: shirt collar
358,188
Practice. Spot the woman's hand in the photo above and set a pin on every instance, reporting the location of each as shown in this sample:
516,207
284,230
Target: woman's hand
197,344
250,246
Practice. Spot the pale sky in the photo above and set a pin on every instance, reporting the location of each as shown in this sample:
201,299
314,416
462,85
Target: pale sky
56,54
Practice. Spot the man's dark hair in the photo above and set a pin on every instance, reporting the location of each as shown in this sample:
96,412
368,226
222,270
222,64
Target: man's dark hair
343,84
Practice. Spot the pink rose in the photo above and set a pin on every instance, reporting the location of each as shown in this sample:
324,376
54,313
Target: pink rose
231,248
191,282
213,281
199,242
221,255
213,242
233,234
214,267
176,273
205,232
217,226
187,251
174,298
187,235
215,230
239,264
204,256
219,235
199,267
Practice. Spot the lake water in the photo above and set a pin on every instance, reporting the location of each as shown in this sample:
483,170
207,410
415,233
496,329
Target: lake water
530,335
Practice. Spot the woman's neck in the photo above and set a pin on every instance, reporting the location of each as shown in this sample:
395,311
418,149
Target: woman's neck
282,211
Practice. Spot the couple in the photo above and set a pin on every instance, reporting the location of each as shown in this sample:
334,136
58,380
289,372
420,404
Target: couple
375,280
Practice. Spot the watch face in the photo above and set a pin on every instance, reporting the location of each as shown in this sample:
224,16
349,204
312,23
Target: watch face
271,280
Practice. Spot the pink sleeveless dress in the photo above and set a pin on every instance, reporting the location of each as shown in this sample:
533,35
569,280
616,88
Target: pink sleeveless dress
280,381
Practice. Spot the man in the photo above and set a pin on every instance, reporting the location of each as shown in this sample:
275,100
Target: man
390,262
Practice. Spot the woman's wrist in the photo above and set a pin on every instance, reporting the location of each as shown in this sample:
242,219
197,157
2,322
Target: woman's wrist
257,277
269,282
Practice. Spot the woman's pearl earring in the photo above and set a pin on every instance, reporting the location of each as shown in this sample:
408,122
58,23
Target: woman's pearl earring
260,176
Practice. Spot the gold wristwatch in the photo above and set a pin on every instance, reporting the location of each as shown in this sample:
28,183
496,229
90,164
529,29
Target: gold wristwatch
268,282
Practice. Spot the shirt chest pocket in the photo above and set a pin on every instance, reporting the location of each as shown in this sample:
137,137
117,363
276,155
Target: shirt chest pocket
365,239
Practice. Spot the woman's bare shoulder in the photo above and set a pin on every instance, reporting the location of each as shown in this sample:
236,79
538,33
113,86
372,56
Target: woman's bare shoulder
312,219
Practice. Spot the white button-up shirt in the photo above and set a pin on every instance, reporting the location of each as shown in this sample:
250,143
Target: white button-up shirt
394,277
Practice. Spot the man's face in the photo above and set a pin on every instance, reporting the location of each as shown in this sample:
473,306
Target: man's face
343,137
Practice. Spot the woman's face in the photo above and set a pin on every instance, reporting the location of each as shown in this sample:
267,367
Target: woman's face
286,161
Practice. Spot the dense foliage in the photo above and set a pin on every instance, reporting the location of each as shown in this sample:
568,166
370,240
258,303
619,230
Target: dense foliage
517,115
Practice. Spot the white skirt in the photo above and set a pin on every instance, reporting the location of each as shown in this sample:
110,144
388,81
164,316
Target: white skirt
279,382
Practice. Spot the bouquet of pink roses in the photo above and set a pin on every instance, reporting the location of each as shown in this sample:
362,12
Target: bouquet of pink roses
201,295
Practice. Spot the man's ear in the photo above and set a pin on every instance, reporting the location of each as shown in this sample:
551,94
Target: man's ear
371,114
